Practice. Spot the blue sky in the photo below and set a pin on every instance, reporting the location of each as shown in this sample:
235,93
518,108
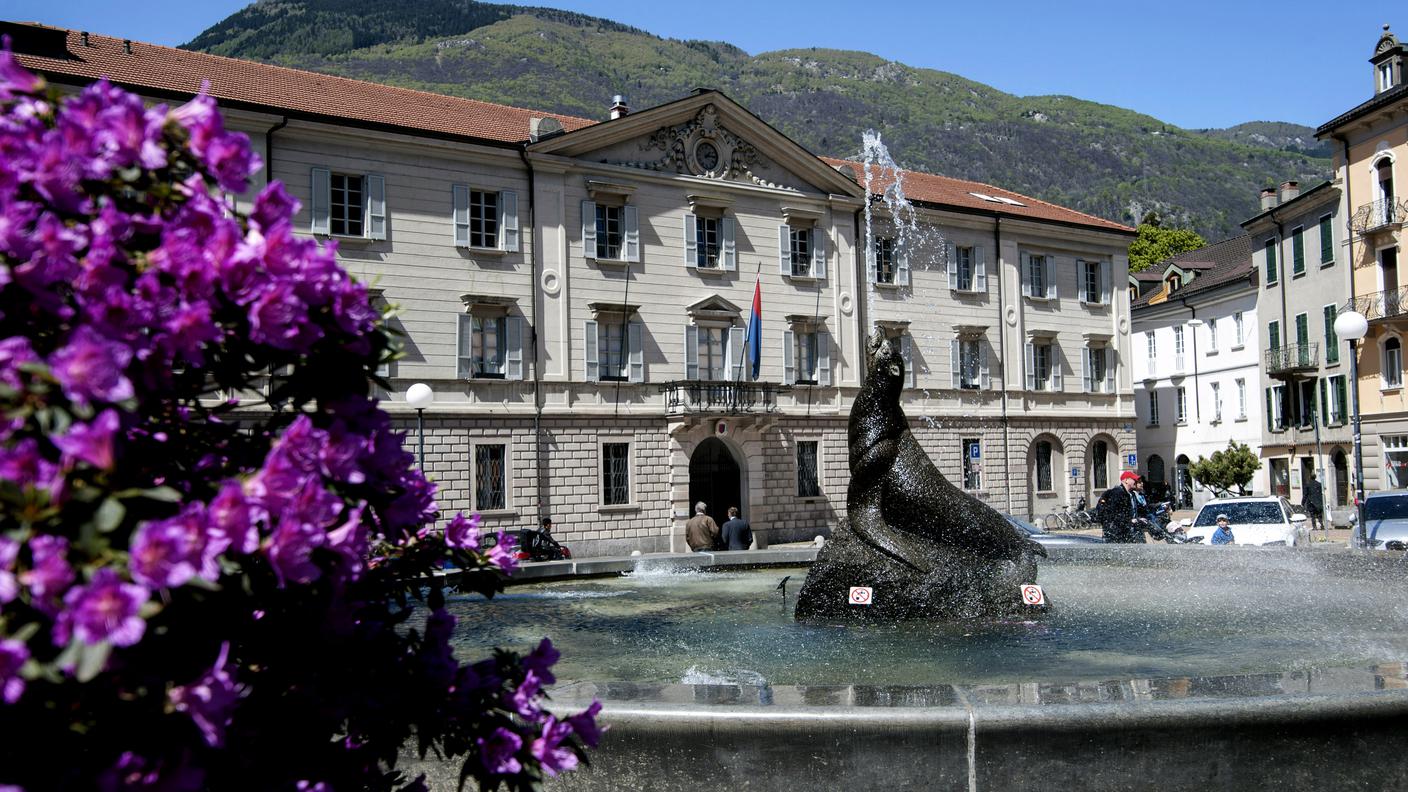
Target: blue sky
1192,63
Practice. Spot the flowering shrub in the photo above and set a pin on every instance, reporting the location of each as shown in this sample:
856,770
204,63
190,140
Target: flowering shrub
197,593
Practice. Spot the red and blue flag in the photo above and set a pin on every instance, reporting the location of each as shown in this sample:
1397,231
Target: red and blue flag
755,330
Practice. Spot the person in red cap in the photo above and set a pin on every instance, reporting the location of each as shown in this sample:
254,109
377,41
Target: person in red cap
1117,511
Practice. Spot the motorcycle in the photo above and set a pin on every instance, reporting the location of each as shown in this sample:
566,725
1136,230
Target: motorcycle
535,545
1156,524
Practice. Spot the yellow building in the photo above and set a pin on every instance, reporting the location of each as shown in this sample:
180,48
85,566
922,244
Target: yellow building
1370,140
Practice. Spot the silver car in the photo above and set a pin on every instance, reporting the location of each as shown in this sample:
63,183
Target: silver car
1049,539
1386,520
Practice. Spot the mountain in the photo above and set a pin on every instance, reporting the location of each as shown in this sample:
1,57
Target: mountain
1101,159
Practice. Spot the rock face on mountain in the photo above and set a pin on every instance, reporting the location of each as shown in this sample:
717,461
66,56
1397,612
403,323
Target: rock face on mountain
1104,160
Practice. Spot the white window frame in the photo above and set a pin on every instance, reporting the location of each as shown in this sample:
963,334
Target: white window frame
1385,76
791,364
1180,411
727,257
1086,269
463,218
1336,409
1239,331
1152,351
1055,381
1241,399
631,502
969,348
1039,276
628,252
1153,407
1180,358
1050,464
1212,336
593,359
374,213
1386,365
512,344
1396,445
1098,358
814,264
474,445
1217,402
957,258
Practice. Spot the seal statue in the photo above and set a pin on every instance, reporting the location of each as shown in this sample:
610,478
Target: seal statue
926,547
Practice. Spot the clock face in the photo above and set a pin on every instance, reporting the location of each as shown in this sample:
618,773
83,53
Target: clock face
707,156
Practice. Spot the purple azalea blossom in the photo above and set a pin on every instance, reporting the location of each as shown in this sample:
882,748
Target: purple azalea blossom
497,752
232,520
104,610
463,533
14,352
584,725
210,700
91,443
22,464
351,542
49,574
291,549
524,700
12,656
548,750
9,584
541,660
14,78
274,205
163,554
91,367
502,554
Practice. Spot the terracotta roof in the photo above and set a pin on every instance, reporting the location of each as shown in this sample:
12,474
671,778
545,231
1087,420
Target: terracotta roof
56,52
1218,264
943,191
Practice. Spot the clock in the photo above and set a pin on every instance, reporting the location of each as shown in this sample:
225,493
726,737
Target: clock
706,155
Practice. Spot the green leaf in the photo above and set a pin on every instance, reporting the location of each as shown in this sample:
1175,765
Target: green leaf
92,659
109,515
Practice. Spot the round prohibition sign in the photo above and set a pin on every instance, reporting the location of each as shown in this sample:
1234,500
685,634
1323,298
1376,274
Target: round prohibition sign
1032,595
860,595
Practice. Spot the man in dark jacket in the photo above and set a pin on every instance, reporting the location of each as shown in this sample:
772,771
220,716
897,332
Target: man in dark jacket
1314,503
737,533
1116,511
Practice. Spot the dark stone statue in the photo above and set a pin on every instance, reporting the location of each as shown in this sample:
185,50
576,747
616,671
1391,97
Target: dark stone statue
925,548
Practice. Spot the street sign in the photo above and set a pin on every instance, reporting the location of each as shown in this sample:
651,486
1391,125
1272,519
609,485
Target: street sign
1131,461
860,595
975,451
1075,472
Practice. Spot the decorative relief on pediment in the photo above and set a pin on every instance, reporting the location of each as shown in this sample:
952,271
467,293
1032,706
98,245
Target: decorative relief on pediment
702,147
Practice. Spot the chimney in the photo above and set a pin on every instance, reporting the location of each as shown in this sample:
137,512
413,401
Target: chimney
127,46
1289,190
618,107
1268,198
85,39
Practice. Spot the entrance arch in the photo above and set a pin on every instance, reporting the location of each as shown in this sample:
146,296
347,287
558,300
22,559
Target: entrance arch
1341,485
1183,483
715,478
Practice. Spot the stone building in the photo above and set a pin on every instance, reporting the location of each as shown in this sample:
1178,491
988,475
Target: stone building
577,294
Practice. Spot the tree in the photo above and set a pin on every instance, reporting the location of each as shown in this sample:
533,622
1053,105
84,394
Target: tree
1156,243
1233,467
209,578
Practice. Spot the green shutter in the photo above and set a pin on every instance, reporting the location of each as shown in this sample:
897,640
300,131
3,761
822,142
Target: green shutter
1298,252
1341,389
1270,421
1327,241
1273,332
1270,262
1332,341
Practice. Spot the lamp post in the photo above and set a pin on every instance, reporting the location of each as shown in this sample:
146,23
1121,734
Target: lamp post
420,396
1352,326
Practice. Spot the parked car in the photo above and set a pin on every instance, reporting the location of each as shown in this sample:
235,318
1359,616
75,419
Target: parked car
1049,539
1386,520
1261,520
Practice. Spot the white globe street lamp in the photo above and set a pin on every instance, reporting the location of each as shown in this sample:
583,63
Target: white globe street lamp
420,396
1352,326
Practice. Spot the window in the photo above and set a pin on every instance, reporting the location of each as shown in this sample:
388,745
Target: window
806,357
1273,334
1100,464
1327,241
969,364
1044,366
1044,481
1276,411
1039,276
1396,460
1298,251
1212,336
1271,273
1303,340
1385,76
490,345
610,232
1216,403
972,464
615,474
1238,329
808,483
708,242
714,352
1178,360
484,219
1098,368
1332,341
884,260
802,251
1335,398
347,204
613,349
490,476
1153,408
1173,282
1393,363
1280,485
1153,350
1094,281
967,272
1241,400
1181,407
713,364
1306,407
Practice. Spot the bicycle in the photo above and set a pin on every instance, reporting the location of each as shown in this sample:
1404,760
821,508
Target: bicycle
1068,517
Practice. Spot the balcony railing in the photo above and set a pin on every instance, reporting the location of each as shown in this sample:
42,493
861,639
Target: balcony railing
732,398
1379,215
1381,305
1293,358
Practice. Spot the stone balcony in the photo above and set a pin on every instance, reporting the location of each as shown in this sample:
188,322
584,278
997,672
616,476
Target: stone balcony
693,397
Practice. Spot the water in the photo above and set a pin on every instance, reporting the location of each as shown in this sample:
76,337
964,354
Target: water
1164,611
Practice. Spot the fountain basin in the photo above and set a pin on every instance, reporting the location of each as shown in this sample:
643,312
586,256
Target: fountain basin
1163,667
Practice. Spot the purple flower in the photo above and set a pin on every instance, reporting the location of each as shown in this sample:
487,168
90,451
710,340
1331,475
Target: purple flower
350,542
9,584
548,750
12,656
584,725
541,660
104,610
232,520
524,700
22,464
14,352
91,367
49,574
201,120
274,205
291,549
14,78
210,700
497,752
164,554
463,533
231,161
502,555
91,443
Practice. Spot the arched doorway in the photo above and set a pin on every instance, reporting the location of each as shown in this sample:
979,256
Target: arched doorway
1156,488
714,478
1340,487
1046,476
1182,483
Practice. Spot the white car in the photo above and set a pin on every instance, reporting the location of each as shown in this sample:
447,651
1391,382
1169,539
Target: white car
1260,520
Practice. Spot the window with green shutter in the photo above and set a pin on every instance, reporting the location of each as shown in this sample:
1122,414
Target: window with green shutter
1332,342
1273,335
1327,241
1298,251
1271,275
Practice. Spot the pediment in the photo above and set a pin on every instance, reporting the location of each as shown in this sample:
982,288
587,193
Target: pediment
713,307
706,136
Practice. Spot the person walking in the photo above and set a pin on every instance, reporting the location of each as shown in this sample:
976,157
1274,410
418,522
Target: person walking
701,532
1313,503
1116,510
1223,534
737,533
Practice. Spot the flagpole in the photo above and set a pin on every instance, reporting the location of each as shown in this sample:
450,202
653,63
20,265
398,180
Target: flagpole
748,326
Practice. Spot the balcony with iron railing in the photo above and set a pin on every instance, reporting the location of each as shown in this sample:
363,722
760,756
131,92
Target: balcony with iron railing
1293,359
1380,305
685,397
1383,215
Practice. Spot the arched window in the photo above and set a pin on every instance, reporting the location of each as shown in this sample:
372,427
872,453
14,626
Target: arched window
1156,469
1100,464
1393,362
1044,482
